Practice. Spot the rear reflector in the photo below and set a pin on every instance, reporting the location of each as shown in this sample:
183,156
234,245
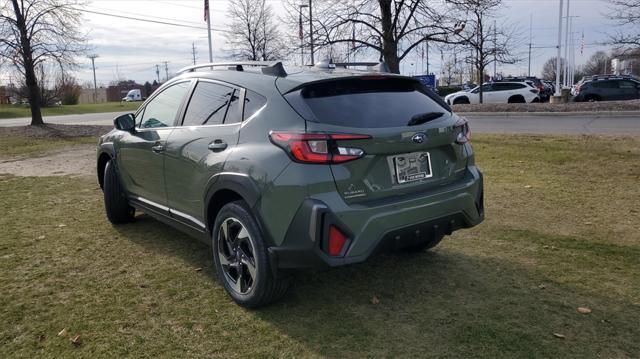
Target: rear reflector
317,148
337,240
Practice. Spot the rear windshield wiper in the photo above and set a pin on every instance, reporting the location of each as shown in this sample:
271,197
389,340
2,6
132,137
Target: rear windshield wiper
424,117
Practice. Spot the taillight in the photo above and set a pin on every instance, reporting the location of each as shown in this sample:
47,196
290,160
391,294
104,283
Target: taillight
337,240
463,131
317,148
578,87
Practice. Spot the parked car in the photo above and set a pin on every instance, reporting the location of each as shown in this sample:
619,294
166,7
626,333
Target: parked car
607,88
496,92
319,167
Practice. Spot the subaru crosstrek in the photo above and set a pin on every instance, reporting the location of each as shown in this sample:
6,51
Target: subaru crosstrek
278,171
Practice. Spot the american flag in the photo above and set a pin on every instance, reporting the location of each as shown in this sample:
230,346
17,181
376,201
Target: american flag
300,32
206,10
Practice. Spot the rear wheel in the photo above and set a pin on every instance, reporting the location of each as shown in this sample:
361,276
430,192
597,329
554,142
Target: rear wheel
115,201
461,101
423,246
241,259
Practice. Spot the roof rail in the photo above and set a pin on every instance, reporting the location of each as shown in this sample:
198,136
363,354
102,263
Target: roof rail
272,68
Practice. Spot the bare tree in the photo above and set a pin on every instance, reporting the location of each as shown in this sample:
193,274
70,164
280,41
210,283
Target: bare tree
34,32
488,41
391,28
549,70
597,64
254,32
626,14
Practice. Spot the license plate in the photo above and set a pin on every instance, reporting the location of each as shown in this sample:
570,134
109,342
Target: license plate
412,166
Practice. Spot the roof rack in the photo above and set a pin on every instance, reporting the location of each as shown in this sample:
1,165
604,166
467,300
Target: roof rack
371,66
608,77
272,68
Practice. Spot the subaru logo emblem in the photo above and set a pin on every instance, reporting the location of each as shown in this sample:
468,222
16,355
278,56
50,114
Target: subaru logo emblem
419,137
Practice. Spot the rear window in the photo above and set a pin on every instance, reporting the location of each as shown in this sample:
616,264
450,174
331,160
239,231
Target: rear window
365,103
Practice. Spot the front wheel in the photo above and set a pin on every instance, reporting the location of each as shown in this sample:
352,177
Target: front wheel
241,259
115,201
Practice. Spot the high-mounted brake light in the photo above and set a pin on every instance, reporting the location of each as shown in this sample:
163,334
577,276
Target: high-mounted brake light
462,130
317,148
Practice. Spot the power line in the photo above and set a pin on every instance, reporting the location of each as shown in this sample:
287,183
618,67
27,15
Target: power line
147,20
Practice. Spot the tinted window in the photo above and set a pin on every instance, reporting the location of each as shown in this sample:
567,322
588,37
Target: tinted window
506,86
628,84
366,103
605,84
208,104
161,111
252,103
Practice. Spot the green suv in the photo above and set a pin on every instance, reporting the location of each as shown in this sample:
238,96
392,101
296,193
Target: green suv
324,166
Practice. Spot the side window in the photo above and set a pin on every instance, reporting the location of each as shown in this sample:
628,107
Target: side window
252,103
234,113
208,105
605,84
627,84
517,86
487,88
162,110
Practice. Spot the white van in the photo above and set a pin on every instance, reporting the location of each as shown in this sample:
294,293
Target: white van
132,95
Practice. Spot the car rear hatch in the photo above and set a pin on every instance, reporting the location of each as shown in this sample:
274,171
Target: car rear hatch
406,139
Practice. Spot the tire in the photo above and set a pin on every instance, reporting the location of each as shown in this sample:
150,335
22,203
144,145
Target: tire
461,101
423,246
516,99
592,98
241,259
115,202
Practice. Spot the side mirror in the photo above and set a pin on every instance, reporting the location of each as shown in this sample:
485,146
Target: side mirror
125,122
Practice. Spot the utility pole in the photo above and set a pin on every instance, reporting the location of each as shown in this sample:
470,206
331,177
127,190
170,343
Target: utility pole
158,72
93,58
530,34
193,52
559,50
166,70
311,32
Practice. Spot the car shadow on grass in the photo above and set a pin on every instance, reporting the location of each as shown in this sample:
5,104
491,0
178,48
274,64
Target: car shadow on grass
441,303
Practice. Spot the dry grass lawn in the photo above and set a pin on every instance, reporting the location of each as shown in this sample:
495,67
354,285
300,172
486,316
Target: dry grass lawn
561,233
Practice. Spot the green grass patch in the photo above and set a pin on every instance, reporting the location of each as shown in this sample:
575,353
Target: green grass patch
16,111
560,233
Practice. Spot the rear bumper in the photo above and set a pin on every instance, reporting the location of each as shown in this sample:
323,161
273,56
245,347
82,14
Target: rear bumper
378,228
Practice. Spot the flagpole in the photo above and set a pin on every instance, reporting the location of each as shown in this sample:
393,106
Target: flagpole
207,15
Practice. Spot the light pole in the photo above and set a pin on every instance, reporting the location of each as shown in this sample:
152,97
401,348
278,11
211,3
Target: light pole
559,51
301,34
566,46
311,32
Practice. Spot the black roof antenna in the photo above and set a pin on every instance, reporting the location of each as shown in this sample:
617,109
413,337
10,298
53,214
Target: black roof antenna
275,70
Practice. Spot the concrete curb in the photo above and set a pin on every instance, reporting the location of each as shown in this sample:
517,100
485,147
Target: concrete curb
553,114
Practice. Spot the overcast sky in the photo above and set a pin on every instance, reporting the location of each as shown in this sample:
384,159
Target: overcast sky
130,49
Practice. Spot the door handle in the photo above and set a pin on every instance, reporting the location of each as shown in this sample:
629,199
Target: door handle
218,145
157,148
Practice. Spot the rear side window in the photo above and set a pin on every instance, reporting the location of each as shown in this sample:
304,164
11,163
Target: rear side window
628,84
364,103
208,104
605,84
253,102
